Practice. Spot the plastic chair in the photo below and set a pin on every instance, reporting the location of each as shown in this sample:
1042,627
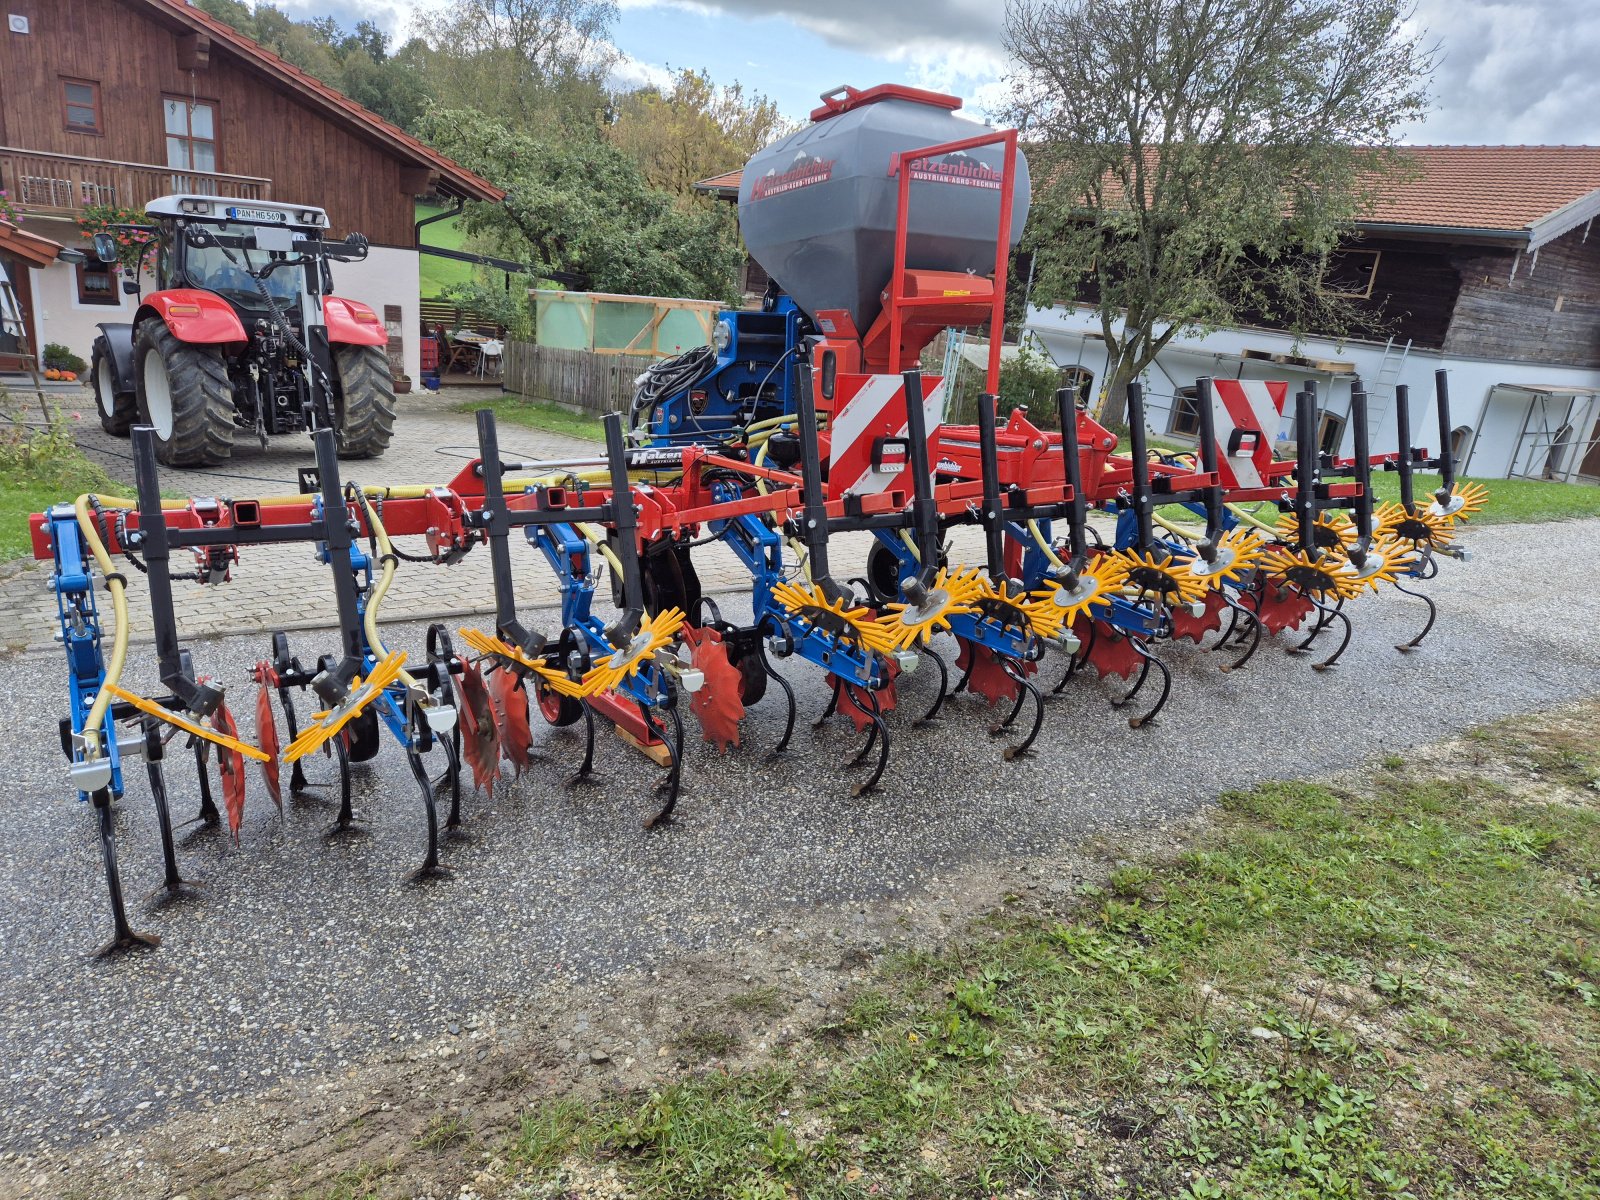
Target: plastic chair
488,350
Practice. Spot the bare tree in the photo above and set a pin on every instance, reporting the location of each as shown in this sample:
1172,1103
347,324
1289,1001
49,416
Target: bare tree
1196,161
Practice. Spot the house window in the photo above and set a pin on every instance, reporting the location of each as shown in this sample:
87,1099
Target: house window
191,127
1081,381
97,283
80,105
1186,413
1330,434
1350,273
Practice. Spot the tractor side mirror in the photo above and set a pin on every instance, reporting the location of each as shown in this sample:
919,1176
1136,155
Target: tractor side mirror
105,247
130,287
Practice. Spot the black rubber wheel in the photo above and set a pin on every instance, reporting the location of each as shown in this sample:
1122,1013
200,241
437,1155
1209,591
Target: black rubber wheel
185,394
556,709
118,410
363,732
363,401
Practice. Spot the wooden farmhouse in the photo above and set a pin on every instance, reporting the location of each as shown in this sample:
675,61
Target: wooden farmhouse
116,102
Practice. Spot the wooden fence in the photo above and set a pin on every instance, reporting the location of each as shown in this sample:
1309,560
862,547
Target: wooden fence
597,383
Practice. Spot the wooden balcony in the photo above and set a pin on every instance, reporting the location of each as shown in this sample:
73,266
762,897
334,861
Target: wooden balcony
59,185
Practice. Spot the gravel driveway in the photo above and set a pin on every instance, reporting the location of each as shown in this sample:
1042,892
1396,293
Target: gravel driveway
304,955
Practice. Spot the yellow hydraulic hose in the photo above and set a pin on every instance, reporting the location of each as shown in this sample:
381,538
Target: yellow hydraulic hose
386,557
1251,520
119,627
1044,545
597,539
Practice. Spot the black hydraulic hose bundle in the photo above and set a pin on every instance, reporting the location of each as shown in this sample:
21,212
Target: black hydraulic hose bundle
667,378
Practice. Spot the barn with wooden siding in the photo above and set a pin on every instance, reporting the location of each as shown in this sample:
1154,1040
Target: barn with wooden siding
119,101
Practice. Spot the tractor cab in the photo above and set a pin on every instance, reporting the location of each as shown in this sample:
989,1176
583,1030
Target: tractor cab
242,332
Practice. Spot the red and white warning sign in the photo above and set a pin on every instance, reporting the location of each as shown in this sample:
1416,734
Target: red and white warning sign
868,449
1248,414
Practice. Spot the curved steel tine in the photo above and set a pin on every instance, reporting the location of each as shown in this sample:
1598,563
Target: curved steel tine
1433,613
175,886
1149,718
430,867
1252,630
452,779
872,740
345,822
209,816
944,685
1024,688
1146,658
880,734
1333,613
1076,660
297,774
833,702
585,769
674,744
123,937
966,675
788,695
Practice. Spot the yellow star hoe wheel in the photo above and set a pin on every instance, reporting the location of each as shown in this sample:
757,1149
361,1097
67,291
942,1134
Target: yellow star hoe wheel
490,646
810,604
1386,561
326,725
1421,528
627,661
1323,578
1096,584
1019,610
1161,577
1466,500
1333,530
1239,551
952,593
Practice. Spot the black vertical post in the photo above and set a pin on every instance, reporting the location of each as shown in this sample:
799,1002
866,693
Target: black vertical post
1307,457
1072,472
158,557
1143,503
1208,463
989,452
626,522
924,510
813,509
497,524
336,529
1447,460
1408,458
1363,464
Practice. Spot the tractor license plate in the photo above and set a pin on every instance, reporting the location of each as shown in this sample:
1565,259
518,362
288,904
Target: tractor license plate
259,216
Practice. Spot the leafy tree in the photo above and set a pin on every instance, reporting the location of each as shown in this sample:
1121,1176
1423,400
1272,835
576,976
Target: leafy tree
534,64
584,206
1196,161
693,130
358,63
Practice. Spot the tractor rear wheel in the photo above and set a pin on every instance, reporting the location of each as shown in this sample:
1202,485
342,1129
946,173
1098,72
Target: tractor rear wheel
363,401
184,393
118,410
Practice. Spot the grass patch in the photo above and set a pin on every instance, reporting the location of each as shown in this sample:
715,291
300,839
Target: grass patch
1390,991
536,414
37,469
435,273
1511,501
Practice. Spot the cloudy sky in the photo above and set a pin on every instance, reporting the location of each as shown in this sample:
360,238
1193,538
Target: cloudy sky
1518,71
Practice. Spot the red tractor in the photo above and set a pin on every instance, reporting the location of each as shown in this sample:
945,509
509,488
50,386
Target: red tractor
242,334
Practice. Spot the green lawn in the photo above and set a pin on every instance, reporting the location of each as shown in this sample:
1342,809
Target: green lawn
536,414
1510,500
31,486
1387,986
440,273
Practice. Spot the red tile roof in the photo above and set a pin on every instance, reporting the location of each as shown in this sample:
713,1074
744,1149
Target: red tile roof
453,177
1509,188
1504,189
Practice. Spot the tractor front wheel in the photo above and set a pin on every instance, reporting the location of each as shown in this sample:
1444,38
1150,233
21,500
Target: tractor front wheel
364,401
185,395
118,410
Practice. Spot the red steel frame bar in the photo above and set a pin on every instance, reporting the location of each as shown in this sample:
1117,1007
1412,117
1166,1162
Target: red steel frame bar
900,165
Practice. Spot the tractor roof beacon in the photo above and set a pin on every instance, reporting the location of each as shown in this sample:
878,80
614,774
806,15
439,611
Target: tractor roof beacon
243,332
